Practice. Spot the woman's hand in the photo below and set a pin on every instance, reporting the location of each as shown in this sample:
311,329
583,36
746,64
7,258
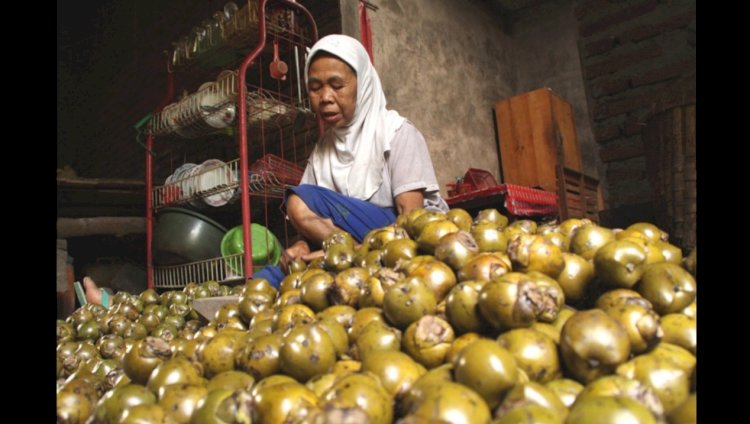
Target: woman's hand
299,250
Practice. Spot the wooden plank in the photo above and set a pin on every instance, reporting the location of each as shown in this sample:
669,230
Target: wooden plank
564,120
516,151
543,137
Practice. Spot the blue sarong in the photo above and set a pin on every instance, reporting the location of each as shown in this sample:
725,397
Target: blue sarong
357,217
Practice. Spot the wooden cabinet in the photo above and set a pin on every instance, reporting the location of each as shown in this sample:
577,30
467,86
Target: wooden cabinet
539,148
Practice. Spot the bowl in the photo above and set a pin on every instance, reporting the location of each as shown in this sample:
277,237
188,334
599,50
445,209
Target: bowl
266,247
182,236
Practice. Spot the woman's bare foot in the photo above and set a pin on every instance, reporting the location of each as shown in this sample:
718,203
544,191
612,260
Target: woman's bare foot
93,293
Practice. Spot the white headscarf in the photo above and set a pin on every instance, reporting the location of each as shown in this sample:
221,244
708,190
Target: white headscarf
360,146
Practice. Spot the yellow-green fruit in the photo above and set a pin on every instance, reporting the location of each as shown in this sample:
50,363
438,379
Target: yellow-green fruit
460,217
514,300
145,355
217,355
110,407
174,371
618,297
146,414
681,330
588,239
459,344
668,287
576,277
430,236
338,237
288,298
365,392
686,413
438,276
407,301
670,252
529,414
427,382
307,351
489,237
485,266
691,310
398,250
609,410
487,368
552,295
361,319
75,407
531,393
231,380
411,219
567,390
396,370
338,257
593,344
347,285
291,316
461,307
314,291
675,354
529,252
456,249
274,403
651,231
641,324
222,406
690,262
337,333
374,338
428,340
494,216
619,263
617,385
180,401
260,357
453,403
534,352
669,381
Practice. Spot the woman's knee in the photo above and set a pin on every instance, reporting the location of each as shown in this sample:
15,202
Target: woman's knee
296,208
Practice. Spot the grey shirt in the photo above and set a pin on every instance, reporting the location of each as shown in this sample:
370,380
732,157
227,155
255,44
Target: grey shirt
407,167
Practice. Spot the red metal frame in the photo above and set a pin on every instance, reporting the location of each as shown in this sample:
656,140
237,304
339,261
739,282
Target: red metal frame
242,140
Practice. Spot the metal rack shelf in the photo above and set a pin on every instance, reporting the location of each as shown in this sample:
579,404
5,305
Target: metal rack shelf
217,269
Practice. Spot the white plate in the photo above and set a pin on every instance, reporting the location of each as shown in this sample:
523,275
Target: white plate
217,110
218,176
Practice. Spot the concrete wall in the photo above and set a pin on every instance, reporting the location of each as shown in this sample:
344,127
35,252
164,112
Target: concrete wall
443,64
546,55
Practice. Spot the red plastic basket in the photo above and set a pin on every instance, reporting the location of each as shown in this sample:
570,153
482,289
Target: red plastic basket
527,201
479,179
281,170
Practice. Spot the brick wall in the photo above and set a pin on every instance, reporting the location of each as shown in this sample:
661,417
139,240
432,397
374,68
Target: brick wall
636,56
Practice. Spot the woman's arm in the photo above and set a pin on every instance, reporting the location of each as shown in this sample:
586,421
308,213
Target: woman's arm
408,201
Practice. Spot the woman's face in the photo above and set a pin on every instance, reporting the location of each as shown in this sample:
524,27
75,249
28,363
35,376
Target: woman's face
332,86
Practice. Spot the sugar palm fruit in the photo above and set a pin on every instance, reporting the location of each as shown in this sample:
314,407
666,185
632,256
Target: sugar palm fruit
487,368
174,371
669,381
566,389
314,290
460,217
408,300
272,404
110,407
374,338
143,357
593,344
617,297
489,237
642,325
588,239
535,353
453,403
529,252
218,354
462,307
456,249
398,250
347,286
180,401
513,300
651,231
681,330
494,216
432,232
668,287
617,385
529,413
366,392
531,393
609,410
619,263
576,277
396,370
223,406
428,340
307,351
485,266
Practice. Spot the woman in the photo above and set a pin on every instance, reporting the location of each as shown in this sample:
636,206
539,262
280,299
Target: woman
371,163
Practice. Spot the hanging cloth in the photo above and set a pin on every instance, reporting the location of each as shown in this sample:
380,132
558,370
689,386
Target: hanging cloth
364,29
